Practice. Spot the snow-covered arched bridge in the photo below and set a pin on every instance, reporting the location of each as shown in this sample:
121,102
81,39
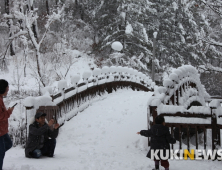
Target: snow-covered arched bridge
103,137
103,134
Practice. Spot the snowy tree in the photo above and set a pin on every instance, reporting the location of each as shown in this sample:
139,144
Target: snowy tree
189,32
177,33
62,60
10,26
180,25
112,21
28,20
212,38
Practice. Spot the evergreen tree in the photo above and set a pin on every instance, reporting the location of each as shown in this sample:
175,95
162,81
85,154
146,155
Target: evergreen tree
179,25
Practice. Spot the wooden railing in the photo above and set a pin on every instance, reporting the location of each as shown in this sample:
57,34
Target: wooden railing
81,100
197,123
69,101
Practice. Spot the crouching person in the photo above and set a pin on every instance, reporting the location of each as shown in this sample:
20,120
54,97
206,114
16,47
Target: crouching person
41,139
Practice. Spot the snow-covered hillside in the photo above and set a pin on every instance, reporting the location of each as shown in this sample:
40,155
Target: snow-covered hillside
103,137
82,62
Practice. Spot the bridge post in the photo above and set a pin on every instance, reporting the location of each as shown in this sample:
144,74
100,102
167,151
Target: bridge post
177,97
215,130
153,112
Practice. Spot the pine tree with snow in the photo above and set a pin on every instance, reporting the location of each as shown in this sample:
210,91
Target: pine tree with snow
179,25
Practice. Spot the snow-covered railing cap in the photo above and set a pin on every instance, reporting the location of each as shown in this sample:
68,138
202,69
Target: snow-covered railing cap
214,103
200,109
153,84
140,74
43,101
178,73
113,69
144,77
170,109
155,102
150,81
29,101
182,73
131,71
38,101
135,73
125,70
105,70
96,72
174,77
47,90
75,79
218,111
168,83
120,69
62,84
86,75
161,89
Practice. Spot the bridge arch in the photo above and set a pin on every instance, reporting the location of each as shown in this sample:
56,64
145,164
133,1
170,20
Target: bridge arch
92,85
181,100
181,88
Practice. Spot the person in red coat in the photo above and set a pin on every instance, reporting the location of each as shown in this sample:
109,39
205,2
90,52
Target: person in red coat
5,141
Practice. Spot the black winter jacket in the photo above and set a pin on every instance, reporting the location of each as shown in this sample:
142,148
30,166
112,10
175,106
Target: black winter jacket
160,138
35,134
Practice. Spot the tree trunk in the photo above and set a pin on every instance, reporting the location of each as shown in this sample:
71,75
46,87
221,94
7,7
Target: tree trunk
77,11
34,25
7,6
124,28
12,52
81,12
34,29
47,6
38,67
20,21
76,3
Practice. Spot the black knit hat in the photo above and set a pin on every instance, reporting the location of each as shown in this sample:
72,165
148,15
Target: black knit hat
39,114
159,119
3,86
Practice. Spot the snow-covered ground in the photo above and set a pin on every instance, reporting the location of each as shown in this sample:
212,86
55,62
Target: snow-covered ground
103,137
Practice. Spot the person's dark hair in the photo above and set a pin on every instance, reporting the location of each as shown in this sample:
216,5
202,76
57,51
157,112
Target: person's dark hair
159,120
39,114
3,86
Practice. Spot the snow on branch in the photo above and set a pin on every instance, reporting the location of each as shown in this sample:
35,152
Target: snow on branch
54,17
50,20
213,7
18,34
210,68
